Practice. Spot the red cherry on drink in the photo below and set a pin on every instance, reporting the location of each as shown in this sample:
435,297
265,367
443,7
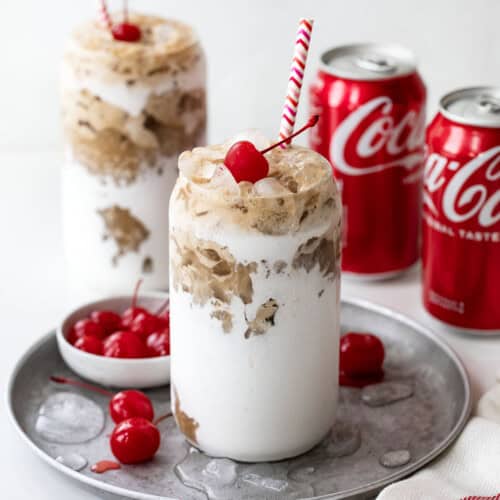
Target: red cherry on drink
90,344
246,162
126,32
110,321
88,327
145,323
124,344
135,440
130,403
361,354
159,343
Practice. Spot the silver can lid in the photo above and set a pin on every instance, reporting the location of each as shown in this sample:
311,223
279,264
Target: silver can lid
473,106
368,61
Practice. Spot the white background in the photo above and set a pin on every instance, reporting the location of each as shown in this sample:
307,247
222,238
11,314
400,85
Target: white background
249,46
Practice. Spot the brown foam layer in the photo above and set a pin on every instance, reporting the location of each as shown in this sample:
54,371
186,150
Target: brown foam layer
209,272
166,46
108,141
298,193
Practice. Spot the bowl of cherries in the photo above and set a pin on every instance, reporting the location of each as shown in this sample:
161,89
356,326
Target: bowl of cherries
121,341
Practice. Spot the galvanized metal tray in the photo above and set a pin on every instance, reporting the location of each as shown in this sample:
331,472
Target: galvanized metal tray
369,448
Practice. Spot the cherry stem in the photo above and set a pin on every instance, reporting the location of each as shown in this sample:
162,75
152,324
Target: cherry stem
161,418
125,11
136,291
83,385
162,307
310,123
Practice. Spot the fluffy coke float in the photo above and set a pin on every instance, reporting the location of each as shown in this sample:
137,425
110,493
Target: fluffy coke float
254,298
133,98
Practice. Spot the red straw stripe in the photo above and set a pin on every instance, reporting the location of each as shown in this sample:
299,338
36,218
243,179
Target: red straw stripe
299,63
305,33
292,111
304,44
295,81
307,23
290,122
298,73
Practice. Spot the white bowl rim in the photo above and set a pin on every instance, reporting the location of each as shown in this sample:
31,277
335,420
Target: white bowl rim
105,359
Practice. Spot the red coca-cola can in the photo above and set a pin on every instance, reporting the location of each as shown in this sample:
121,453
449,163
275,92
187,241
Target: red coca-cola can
371,102
461,211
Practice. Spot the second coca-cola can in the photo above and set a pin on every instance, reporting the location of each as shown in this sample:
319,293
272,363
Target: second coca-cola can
371,102
461,229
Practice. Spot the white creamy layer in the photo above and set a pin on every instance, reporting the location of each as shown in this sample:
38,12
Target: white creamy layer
269,396
88,257
133,98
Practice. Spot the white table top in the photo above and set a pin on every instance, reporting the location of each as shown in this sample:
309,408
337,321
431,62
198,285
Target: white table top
32,298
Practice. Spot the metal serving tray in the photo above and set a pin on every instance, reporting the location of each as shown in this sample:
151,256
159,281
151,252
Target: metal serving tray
404,435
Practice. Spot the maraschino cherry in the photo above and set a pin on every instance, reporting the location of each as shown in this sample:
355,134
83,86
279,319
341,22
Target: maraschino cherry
90,344
110,321
247,163
159,343
122,405
88,327
124,344
130,403
145,323
126,32
361,359
135,440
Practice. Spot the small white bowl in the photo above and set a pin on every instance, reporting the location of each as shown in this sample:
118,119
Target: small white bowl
136,373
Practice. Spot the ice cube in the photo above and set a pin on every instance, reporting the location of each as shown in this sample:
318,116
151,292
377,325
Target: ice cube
385,393
256,137
395,458
188,164
69,418
73,461
162,32
223,469
223,179
269,186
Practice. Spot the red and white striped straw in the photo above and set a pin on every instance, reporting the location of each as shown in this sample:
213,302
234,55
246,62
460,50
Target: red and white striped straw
296,77
104,16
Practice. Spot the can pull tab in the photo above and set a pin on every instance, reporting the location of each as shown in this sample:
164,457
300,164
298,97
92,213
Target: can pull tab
376,63
489,104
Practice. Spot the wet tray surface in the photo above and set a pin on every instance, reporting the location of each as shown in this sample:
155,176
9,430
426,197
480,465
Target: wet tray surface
382,433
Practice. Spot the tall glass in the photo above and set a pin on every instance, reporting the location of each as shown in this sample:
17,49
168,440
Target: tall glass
129,109
254,297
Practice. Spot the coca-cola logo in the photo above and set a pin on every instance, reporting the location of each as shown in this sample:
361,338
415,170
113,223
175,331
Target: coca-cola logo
371,129
469,190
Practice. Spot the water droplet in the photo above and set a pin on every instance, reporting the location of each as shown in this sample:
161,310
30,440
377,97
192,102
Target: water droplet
73,461
395,458
345,439
69,418
301,474
265,482
213,476
221,468
385,393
